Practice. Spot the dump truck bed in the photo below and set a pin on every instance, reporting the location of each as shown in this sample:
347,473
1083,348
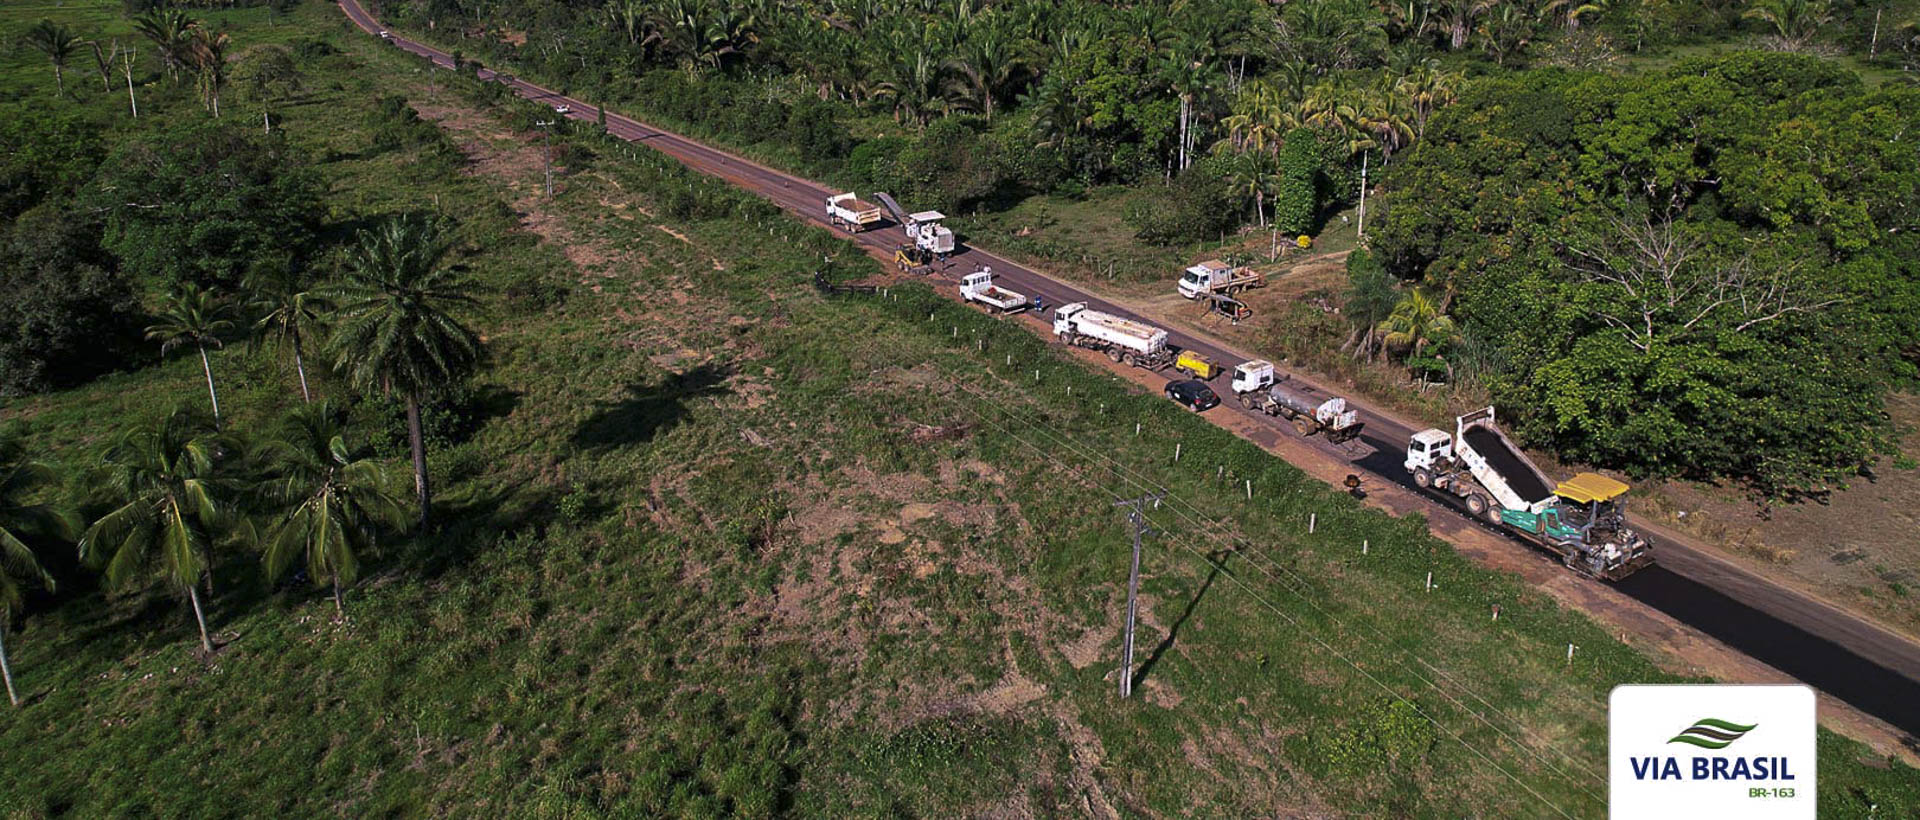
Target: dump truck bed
1500,454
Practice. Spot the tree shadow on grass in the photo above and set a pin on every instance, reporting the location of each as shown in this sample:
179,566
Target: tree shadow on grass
649,409
1218,560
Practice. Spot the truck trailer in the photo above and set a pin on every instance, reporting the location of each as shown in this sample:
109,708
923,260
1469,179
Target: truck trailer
1123,340
1582,519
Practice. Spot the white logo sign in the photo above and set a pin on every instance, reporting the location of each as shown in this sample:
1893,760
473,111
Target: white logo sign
1702,752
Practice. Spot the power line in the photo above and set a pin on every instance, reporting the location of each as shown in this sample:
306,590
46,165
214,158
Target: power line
1138,520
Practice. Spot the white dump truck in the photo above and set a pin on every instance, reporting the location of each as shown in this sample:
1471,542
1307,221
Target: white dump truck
927,239
1123,340
851,213
978,288
1260,391
1215,276
1582,519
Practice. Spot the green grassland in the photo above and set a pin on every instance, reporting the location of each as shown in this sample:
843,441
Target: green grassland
717,544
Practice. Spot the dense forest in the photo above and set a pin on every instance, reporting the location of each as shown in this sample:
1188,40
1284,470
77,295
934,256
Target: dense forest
1666,237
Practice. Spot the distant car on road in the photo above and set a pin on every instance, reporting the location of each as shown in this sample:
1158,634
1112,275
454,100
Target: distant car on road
563,110
384,35
1192,394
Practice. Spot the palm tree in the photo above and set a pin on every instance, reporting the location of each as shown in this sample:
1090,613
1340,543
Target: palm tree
193,316
21,519
1416,322
206,53
1796,21
333,502
169,486
985,66
1571,11
394,329
167,30
59,44
289,312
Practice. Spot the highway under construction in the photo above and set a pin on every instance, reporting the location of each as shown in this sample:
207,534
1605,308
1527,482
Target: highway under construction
1848,657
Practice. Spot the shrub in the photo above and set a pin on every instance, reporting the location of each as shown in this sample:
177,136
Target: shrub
1188,210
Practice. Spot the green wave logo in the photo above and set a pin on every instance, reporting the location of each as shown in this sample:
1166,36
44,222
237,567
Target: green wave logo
1712,733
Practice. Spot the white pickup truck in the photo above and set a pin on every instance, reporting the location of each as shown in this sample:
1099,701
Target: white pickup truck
849,212
978,288
1215,276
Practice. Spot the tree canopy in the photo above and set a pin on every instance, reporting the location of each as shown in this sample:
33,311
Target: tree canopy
1709,272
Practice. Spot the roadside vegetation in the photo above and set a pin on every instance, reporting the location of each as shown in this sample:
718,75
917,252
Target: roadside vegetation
913,611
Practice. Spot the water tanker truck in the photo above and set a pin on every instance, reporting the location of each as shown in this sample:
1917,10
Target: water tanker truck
1582,519
1123,340
1254,382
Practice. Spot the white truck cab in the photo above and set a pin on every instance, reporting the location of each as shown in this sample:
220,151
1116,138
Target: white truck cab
1202,277
1251,376
1428,448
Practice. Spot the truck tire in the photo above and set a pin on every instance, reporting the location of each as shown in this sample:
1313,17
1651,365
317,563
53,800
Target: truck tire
1422,478
1477,504
1246,401
1300,426
1127,359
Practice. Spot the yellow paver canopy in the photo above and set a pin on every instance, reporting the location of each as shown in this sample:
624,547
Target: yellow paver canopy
1586,488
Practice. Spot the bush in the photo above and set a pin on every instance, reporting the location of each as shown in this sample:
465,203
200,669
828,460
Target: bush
1189,210
874,163
814,129
950,167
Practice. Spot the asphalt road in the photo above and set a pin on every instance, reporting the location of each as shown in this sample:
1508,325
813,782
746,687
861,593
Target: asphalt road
1859,662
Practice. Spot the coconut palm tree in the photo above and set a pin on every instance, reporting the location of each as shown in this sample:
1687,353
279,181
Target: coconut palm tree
1416,322
167,29
394,326
168,484
290,314
58,43
333,503
1571,11
193,316
1795,21
985,66
206,54
22,519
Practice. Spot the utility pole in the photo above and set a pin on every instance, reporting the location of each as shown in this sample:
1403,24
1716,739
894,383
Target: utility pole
1140,528
546,125
1363,196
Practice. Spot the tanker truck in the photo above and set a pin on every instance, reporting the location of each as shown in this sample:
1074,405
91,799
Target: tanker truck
1582,519
1123,340
1254,383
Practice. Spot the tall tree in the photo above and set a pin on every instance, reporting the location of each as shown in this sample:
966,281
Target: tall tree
333,502
168,484
394,325
22,520
58,43
268,73
289,314
193,316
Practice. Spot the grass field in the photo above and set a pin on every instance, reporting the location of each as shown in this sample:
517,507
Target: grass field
716,544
